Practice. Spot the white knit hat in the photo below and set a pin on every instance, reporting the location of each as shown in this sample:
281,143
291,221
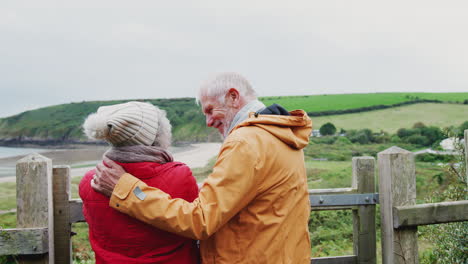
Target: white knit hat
127,124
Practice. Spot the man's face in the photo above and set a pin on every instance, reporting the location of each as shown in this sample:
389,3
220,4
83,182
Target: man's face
218,115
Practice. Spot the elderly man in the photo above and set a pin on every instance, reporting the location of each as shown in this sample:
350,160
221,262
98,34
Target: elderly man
254,207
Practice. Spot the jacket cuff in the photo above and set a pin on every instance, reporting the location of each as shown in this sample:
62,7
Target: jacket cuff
121,191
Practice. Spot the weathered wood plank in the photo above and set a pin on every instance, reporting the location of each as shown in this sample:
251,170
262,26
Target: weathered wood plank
428,214
466,152
364,234
34,200
397,185
23,241
62,226
335,260
76,211
32,179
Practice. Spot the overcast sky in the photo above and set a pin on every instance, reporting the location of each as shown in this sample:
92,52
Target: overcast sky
54,52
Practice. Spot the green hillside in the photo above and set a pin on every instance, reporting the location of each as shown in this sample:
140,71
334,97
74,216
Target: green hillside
390,120
62,123
334,102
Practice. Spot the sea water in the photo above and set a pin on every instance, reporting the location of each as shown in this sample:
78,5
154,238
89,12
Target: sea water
6,152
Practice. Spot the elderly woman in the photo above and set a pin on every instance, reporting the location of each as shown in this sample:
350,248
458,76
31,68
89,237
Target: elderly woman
139,135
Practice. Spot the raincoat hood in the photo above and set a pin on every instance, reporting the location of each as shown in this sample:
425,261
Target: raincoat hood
294,129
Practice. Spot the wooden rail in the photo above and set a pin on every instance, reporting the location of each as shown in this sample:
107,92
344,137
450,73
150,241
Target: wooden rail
429,214
24,241
76,211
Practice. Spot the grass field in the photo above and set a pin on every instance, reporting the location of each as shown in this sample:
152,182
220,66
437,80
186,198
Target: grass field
319,103
390,120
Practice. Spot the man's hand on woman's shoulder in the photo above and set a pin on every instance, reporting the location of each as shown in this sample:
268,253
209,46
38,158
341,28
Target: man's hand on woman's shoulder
108,173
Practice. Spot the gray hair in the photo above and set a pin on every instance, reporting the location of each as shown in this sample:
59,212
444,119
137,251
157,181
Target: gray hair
219,85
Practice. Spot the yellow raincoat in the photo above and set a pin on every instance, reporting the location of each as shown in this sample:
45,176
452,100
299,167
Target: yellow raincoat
253,208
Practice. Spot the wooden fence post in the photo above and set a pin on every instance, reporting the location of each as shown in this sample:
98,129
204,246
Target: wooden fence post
364,217
397,187
62,226
34,201
466,153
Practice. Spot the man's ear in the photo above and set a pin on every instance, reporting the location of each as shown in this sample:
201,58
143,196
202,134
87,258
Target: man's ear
233,98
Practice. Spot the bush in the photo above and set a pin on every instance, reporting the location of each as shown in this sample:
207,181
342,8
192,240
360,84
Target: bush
418,140
436,145
363,136
382,138
429,157
404,132
343,141
419,125
360,138
432,134
327,129
395,139
462,129
420,135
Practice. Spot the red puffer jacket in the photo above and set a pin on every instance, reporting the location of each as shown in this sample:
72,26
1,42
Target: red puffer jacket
118,238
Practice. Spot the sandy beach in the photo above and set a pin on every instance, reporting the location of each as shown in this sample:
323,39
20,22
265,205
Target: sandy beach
84,159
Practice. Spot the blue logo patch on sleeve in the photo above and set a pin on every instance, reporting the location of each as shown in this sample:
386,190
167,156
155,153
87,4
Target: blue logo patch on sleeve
139,193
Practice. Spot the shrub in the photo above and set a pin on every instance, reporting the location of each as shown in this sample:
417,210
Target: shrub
327,129
395,139
462,129
363,136
436,145
419,125
343,141
429,157
418,140
382,138
404,132
360,138
432,134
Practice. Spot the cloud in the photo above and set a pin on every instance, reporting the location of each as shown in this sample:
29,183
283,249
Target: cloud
87,50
